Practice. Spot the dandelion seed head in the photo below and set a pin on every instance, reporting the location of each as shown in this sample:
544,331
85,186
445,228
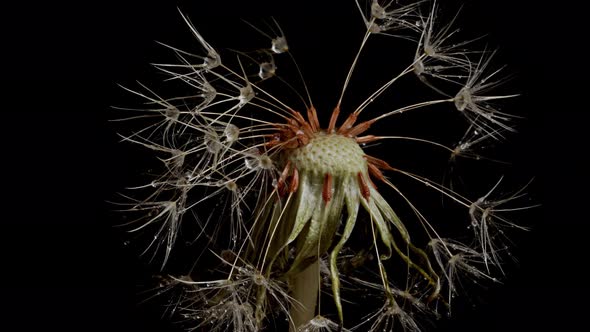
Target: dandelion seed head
329,153
277,197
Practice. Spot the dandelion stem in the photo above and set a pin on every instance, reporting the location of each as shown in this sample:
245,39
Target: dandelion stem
305,291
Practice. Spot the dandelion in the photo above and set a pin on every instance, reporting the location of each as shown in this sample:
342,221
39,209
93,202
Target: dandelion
286,206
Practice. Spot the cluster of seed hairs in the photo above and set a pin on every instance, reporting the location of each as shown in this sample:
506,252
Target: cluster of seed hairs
268,196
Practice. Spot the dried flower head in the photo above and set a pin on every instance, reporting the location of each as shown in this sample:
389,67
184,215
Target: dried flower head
272,195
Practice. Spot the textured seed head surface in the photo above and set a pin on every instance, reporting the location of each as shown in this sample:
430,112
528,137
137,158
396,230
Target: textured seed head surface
330,153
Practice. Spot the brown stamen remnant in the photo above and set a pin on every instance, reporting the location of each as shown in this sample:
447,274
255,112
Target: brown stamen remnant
375,165
372,183
312,117
296,132
367,139
281,183
282,188
299,131
365,191
327,190
333,119
302,138
347,125
294,181
360,128
304,125
379,163
374,171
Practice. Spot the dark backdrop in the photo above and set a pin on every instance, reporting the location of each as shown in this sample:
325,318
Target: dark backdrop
65,268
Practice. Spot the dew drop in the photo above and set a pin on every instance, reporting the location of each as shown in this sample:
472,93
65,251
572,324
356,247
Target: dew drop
246,94
172,113
267,70
231,186
232,133
265,162
212,143
251,163
279,45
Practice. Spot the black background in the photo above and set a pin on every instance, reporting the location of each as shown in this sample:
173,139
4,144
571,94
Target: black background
64,267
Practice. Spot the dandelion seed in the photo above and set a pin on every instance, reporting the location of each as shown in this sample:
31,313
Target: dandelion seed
166,213
279,42
473,102
457,262
473,142
487,223
320,324
391,16
212,60
440,54
391,317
